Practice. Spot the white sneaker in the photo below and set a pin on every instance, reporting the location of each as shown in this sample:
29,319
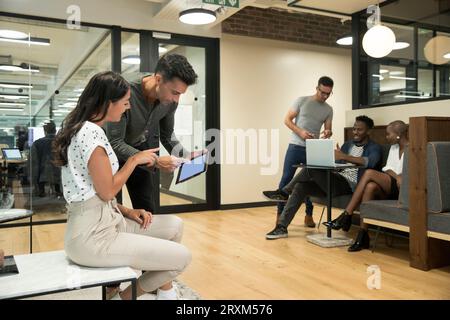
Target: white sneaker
116,296
113,293
171,294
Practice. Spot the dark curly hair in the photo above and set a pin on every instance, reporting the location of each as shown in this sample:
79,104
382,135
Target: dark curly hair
369,122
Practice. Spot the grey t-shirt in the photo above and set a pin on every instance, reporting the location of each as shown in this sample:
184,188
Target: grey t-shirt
311,115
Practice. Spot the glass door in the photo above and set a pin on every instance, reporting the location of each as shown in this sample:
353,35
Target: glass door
189,129
196,113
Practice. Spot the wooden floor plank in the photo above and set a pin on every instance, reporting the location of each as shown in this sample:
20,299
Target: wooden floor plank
233,260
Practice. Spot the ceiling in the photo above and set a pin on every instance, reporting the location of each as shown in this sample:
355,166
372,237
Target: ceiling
169,10
341,6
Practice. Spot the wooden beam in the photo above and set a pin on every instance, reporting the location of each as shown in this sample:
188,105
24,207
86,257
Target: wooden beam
437,235
386,224
425,253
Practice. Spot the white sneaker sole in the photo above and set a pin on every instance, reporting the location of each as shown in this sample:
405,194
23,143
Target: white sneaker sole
270,237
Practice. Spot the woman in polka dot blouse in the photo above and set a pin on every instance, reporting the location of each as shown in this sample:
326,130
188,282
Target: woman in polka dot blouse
100,232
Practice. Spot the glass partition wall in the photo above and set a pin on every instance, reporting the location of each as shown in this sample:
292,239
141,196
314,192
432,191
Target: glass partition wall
407,74
41,79
43,69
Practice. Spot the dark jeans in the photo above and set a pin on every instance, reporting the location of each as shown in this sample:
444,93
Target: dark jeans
41,188
143,189
312,182
295,155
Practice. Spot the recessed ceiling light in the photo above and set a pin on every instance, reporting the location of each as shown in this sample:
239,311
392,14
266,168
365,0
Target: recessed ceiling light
7,67
11,67
378,76
162,50
345,41
11,109
12,104
396,73
15,85
197,16
384,70
402,78
35,41
447,55
13,96
400,45
133,59
12,34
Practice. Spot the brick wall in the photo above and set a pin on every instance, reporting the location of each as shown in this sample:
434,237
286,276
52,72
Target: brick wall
283,25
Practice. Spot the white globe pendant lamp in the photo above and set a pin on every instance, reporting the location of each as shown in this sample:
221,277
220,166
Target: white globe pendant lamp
379,40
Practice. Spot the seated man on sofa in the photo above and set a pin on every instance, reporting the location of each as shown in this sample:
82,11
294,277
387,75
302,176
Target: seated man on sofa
313,182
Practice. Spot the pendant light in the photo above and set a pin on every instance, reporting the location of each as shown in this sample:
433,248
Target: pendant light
379,40
197,16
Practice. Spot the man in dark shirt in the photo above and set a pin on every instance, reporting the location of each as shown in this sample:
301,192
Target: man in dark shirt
154,100
361,151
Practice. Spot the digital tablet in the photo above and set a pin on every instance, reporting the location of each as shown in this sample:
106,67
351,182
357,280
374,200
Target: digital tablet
192,168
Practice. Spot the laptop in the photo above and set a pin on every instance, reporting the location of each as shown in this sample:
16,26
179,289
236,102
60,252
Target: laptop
11,154
320,152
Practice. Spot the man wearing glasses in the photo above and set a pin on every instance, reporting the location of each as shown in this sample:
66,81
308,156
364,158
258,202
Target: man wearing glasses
305,118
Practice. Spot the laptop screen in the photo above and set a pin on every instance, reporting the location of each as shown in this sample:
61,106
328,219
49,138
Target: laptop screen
11,154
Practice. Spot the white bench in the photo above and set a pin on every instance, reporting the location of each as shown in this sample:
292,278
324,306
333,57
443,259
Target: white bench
52,272
7,215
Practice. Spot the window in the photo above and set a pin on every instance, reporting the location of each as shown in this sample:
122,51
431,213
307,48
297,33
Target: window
407,74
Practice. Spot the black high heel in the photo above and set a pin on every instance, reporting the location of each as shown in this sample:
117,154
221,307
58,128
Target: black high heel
362,241
344,222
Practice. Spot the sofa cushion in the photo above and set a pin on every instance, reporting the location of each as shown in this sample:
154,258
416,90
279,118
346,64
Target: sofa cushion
439,222
390,211
438,176
384,210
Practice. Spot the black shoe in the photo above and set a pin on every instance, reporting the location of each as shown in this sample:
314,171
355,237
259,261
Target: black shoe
344,222
277,233
362,241
276,196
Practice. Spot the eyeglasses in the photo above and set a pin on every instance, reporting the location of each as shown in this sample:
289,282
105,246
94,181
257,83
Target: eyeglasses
325,94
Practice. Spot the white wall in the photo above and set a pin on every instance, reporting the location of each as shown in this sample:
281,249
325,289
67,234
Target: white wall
259,81
384,115
136,14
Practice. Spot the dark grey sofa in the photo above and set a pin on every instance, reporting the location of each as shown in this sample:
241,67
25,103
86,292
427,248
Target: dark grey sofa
395,213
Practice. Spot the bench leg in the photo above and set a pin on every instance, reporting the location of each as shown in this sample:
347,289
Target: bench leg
321,216
376,239
133,289
389,239
103,292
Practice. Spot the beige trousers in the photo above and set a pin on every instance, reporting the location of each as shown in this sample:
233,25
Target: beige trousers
98,235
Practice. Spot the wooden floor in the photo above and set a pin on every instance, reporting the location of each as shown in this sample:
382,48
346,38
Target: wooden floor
232,260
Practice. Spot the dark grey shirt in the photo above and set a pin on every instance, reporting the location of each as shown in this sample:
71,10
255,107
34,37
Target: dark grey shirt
142,126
